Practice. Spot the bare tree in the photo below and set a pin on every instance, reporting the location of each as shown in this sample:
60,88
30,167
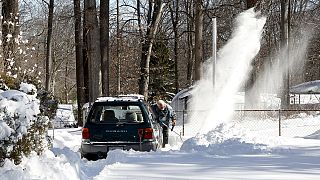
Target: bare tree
176,32
198,38
147,46
49,47
10,31
79,59
175,20
251,3
92,37
190,39
104,43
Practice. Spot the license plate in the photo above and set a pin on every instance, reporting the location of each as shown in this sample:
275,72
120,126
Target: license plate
115,147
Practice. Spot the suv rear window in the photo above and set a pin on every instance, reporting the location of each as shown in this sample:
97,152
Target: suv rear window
116,113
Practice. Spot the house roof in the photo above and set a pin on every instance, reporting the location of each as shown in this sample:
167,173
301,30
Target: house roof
311,87
183,93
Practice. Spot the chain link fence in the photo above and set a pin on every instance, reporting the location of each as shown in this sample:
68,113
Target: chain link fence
276,122
63,124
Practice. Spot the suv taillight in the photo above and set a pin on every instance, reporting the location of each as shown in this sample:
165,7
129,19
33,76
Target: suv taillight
85,133
148,133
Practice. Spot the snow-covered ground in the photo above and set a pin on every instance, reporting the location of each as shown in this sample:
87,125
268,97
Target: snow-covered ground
230,151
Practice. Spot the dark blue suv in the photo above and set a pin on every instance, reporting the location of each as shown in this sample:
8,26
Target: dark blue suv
119,123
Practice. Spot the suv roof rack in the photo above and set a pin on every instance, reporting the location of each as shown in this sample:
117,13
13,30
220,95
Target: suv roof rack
133,96
129,97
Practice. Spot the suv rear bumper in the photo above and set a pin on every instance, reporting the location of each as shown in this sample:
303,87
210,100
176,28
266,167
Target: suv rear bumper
97,148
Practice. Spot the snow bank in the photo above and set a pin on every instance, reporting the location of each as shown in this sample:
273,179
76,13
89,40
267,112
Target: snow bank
61,162
230,139
315,135
46,166
10,171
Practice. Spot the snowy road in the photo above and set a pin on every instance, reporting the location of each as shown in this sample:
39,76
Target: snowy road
295,158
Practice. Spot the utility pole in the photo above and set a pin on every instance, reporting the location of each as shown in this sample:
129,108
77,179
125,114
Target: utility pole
288,55
285,97
214,51
118,52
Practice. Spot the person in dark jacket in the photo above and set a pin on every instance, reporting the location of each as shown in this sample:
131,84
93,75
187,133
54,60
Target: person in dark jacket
163,114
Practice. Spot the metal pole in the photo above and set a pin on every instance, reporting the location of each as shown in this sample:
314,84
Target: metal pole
288,53
279,122
53,129
214,50
182,122
284,58
118,52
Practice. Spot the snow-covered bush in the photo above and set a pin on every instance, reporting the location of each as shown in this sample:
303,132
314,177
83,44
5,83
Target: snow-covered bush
22,127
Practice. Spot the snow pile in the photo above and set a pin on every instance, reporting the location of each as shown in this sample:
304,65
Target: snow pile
11,171
231,139
46,166
116,156
61,162
315,135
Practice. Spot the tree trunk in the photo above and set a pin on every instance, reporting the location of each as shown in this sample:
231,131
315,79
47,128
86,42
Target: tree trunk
147,48
10,15
190,28
49,47
79,60
139,21
144,49
1,53
251,3
104,43
92,36
198,39
175,19
85,61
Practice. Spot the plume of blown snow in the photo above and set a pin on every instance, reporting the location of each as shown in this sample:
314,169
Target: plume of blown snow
214,105
271,78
